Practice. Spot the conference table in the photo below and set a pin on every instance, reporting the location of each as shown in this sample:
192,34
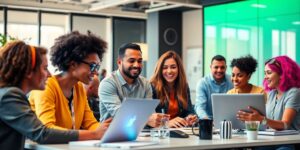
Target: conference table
193,142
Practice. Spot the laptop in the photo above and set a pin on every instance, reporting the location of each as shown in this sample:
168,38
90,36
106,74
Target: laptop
128,122
226,106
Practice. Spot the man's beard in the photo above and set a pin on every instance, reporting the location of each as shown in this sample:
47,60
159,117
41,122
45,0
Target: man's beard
127,72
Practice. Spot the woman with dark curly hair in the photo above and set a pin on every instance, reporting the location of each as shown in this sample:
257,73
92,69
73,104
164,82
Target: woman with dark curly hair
63,104
22,69
242,69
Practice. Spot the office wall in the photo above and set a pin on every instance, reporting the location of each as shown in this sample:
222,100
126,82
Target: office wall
262,28
127,30
192,47
164,33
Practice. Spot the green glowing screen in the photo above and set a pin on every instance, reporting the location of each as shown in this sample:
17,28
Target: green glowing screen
262,28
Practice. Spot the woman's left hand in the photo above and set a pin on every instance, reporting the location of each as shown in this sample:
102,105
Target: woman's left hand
254,115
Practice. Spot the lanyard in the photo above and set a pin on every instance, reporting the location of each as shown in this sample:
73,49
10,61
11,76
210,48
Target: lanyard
73,114
72,109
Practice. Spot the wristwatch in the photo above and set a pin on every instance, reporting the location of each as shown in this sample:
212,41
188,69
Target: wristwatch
264,121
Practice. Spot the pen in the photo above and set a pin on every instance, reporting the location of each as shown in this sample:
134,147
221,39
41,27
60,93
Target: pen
163,111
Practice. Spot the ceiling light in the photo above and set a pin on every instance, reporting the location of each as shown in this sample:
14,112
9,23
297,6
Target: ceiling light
271,19
259,5
296,23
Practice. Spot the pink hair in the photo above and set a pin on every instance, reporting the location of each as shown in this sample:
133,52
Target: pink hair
288,70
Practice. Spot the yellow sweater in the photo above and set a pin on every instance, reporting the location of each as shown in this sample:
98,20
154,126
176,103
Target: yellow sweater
51,107
254,89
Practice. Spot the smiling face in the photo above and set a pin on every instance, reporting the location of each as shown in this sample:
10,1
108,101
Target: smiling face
131,64
83,72
170,71
239,78
218,69
271,77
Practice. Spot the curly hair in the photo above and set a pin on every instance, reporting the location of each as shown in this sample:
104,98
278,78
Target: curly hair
75,47
288,70
16,62
246,64
160,84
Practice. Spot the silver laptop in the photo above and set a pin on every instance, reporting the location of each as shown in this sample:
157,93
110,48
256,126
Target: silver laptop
226,106
128,122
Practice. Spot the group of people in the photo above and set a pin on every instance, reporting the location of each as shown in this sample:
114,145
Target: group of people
57,109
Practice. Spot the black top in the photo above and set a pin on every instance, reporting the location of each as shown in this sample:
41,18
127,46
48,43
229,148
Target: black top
182,112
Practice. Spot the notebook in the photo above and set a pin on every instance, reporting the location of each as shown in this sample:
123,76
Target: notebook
274,132
126,125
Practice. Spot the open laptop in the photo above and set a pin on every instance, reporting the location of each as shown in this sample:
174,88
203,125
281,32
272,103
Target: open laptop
126,125
226,106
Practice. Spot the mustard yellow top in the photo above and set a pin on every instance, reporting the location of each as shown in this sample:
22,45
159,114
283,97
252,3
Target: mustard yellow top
51,107
254,90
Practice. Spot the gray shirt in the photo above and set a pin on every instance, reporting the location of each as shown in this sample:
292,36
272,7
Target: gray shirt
18,121
289,99
114,89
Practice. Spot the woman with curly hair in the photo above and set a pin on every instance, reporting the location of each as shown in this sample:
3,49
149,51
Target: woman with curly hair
170,86
63,104
242,69
24,68
282,76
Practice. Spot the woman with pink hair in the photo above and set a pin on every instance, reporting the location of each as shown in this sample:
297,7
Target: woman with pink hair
282,80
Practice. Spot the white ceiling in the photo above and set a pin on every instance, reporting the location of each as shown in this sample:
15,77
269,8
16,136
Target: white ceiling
125,8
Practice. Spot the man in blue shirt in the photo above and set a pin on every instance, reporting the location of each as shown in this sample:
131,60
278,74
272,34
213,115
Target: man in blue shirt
216,82
126,82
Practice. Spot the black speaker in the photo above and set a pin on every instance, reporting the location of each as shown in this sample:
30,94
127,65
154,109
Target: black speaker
170,31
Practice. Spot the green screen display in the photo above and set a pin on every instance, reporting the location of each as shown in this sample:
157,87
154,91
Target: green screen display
261,28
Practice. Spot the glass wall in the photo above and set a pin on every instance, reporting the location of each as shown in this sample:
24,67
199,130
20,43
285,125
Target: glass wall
23,26
52,26
1,21
98,26
261,28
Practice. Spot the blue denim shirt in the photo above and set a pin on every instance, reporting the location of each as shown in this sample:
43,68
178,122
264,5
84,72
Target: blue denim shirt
205,87
114,89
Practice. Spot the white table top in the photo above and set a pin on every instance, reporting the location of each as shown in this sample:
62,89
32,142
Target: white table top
192,142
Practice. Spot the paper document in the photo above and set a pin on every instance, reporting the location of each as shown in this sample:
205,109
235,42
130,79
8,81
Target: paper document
274,132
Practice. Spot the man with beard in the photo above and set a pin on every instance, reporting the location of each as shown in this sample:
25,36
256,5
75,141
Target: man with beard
216,82
126,82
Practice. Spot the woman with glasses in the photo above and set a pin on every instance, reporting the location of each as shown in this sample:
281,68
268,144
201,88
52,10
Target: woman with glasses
170,86
63,104
24,68
282,76
242,69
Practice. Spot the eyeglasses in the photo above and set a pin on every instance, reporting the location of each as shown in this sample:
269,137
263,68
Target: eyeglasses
273,61
93,66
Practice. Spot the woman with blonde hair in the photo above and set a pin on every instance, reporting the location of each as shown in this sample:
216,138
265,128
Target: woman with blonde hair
170,86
